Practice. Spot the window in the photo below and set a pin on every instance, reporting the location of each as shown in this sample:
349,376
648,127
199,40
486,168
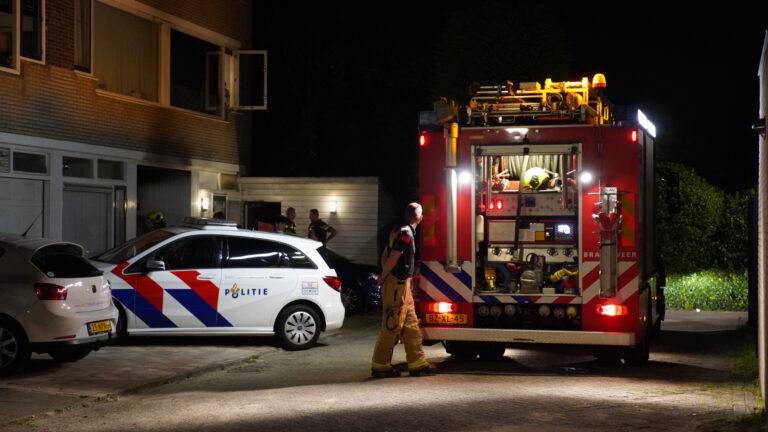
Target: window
250,253
32,29
30,162
251,91
296,258
195,74
126,53
8,34
111,170
77,167
195,252
83,35
64,261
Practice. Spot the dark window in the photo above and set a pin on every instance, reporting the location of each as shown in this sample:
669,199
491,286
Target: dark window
31,29
195,252
253,253
195,74
83,35
63,261
296,258
29,162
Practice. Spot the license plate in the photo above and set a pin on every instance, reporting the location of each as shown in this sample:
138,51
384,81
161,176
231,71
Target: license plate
99,327
446,318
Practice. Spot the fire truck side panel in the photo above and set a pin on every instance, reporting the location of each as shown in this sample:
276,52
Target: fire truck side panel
432,185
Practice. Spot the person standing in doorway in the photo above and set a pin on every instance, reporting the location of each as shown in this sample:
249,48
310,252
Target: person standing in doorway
290,225
398,313
319,230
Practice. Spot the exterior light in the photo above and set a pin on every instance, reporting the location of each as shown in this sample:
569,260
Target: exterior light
465,177
332,205
585,177
204,204
598,81
643,121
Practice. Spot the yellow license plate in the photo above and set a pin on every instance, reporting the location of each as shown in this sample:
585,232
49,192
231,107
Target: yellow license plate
99,327
446,318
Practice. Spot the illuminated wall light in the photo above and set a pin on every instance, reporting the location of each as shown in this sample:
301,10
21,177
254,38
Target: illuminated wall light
204,203
333,205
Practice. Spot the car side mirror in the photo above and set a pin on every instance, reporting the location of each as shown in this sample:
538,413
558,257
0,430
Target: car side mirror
154,264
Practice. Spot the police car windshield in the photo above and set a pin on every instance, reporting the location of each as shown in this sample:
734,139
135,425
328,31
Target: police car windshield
133,247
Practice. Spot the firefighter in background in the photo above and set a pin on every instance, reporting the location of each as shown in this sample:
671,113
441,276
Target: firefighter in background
290,225
319,230
398,312
157,219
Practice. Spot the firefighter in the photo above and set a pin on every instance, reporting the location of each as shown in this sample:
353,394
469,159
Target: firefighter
398,313
290,225
157,219
319,230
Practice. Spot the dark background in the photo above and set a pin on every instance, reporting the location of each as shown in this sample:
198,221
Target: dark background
346,82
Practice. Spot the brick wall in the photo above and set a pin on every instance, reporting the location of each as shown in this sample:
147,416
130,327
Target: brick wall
53,101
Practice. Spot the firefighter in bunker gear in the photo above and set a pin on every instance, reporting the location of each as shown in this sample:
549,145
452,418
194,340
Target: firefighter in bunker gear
398,312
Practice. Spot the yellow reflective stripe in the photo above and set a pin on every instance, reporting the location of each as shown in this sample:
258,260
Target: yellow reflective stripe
418,364
381,367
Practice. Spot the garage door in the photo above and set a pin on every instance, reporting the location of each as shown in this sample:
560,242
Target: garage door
86,218
21,202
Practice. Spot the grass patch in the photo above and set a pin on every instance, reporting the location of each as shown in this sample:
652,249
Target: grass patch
707,290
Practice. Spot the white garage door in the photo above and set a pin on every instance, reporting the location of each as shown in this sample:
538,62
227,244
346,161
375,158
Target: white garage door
21,204
86,218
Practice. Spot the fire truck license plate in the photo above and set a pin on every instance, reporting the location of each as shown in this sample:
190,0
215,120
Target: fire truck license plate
446,318
99,327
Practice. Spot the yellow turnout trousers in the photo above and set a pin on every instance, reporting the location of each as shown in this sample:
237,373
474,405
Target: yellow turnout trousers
398,319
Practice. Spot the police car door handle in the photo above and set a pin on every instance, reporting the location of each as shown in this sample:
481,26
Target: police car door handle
277,276
205,277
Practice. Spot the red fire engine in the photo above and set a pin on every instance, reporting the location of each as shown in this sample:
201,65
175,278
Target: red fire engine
539,223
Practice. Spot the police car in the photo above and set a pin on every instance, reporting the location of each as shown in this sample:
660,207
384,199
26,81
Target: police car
207,277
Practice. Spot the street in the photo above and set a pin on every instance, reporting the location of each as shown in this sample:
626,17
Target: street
689,384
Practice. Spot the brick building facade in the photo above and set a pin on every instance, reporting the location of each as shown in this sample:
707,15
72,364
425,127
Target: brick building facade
115,108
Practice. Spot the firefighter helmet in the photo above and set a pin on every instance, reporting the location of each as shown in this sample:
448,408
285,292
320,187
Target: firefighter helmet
155,216
535,177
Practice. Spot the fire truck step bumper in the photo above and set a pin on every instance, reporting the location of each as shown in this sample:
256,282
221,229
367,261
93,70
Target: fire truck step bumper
529,336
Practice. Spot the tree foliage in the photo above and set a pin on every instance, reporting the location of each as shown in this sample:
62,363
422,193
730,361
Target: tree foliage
710,228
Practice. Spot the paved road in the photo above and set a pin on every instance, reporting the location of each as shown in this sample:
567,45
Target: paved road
687,385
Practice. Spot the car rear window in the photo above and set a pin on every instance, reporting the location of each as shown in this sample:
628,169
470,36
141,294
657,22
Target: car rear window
63,261
324,253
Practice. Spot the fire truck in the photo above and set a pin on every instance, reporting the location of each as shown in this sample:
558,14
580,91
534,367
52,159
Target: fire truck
539,222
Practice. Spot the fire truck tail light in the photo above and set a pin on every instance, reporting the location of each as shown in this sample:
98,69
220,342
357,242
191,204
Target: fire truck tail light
499,204
491,205
442,307
611,310
634,136
422,140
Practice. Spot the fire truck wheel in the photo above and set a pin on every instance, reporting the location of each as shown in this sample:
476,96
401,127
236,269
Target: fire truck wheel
461,350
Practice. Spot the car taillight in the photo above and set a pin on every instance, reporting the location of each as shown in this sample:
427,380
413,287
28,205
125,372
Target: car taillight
50,291
333,282
442,307
611,310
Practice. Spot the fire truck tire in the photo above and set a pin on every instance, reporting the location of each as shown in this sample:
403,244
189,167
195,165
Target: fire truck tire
492,351
635,355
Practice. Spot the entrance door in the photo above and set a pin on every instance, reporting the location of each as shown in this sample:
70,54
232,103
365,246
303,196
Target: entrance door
86,218
260,211
22,204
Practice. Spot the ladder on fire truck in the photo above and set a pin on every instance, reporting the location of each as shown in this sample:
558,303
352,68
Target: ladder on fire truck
529,102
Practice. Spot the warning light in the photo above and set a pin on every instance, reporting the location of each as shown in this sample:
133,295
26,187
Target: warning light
442,307
422,140
499,204
598,81
491,205
611,310
634,136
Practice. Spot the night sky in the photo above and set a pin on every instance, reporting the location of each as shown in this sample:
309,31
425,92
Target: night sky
346,83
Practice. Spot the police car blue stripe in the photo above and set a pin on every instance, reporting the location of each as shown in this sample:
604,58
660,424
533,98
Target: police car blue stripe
199,308
148,313
441,285
490,299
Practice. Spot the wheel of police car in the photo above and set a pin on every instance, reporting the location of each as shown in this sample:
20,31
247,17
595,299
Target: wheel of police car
14,349
298,327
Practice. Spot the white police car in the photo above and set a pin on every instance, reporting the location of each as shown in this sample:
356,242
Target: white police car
207,277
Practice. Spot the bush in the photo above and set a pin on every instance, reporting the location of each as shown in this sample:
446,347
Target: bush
707,290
